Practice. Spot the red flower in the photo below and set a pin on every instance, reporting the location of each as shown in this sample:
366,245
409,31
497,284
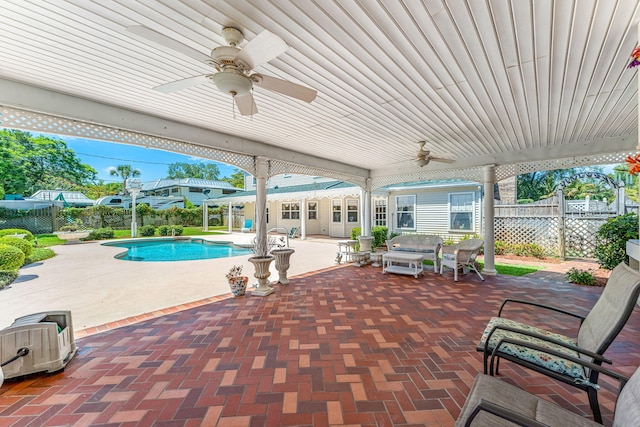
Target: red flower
634,164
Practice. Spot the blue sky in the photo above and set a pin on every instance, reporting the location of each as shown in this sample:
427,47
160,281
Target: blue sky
152,163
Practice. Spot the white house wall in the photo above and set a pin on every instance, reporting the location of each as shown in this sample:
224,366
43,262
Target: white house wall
432,211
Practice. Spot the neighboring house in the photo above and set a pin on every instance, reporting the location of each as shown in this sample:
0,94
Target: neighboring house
74,199
193,189
449,208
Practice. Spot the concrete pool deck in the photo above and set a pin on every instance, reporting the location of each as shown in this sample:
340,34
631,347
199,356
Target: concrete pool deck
100,289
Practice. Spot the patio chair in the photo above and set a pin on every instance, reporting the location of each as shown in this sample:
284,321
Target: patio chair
461,256
558,356
248,224
294,232
492,402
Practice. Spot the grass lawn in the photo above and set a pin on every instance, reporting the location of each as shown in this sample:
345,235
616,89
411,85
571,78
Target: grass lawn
507,269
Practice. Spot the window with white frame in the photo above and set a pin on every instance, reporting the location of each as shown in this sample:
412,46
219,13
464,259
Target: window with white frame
352,210
461,211
291,211
312,210
336,211
406,212
380,212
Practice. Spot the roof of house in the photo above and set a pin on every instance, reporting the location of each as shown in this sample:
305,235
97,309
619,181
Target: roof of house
69,196
336,189
186,182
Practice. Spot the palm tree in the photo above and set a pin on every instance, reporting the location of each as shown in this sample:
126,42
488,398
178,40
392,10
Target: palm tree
124,172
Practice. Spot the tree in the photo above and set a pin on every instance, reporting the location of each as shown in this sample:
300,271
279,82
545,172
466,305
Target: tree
181,170
124,172
29,163
542,184
236,179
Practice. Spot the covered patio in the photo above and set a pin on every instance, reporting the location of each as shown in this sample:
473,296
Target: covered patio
343,346
501,88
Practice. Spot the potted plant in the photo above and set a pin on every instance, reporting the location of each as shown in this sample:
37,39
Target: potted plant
237,282
261,261
282,255
73,232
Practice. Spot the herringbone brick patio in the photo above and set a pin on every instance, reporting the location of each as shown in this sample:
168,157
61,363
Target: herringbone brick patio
345,346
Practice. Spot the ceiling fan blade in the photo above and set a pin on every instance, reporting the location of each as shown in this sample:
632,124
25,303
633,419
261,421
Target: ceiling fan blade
246,104
262,49
442,160
284,87
165,41
182,84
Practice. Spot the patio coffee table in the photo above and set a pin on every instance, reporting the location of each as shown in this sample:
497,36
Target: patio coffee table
412,263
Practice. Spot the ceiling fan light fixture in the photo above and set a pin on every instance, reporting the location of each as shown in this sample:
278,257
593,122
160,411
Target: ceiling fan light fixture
232,82
422,162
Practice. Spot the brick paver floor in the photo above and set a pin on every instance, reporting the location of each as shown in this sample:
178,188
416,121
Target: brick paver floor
344,346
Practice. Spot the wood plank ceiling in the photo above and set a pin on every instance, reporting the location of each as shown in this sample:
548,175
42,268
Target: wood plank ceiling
490,81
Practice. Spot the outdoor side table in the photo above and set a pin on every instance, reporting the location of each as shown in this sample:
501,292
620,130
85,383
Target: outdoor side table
346,248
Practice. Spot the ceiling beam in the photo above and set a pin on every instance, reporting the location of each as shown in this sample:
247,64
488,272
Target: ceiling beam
39,100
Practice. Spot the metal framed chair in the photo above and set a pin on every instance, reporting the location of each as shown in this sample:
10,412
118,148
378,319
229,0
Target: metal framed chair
492,402
461,256
558,356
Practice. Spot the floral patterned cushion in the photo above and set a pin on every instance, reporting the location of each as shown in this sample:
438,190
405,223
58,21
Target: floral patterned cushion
553,363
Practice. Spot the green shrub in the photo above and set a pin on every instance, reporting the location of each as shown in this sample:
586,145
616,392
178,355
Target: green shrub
355,232
528,250
379,234
9,231
147,230
611,239
581,277
7,277
102,234
39,254
501,247
25,246
166,230
11,258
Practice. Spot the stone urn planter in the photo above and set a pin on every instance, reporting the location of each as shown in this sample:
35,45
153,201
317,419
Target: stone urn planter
73,236
237,283
365,243
262,264
282,257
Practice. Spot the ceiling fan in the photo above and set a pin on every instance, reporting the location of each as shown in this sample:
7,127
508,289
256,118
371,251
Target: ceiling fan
424,157
233,66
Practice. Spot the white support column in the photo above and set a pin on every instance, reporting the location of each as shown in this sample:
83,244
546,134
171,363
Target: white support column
262,168
230,218
489,231
205,216
303,218
366,209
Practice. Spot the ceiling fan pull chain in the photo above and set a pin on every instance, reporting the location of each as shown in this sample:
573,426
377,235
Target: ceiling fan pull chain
233,106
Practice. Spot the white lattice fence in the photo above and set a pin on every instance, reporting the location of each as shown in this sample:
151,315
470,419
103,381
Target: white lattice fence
580,236
542,231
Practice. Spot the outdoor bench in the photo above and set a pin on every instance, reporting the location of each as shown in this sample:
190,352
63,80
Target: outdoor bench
427,246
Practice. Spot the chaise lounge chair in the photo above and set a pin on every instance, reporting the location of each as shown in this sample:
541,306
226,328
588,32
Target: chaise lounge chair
492,403
558,356
248,223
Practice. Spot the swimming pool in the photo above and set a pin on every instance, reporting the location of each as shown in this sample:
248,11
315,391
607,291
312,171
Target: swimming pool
154,250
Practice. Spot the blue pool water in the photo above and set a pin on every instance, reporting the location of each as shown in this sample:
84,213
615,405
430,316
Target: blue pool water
176,250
